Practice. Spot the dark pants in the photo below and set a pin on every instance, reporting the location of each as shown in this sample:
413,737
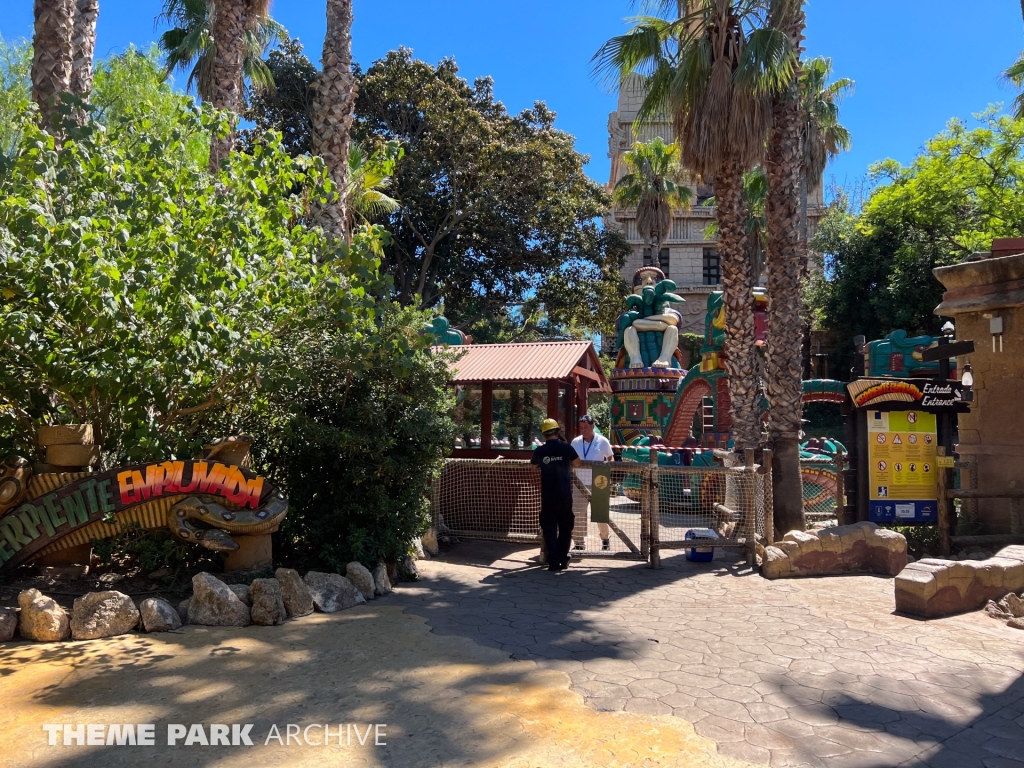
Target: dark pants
556,523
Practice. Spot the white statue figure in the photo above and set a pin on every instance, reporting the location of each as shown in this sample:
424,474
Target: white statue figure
649,310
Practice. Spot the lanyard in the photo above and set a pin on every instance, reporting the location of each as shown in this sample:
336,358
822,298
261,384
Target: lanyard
586,450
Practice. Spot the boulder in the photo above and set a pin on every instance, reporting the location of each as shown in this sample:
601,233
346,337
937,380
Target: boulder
8,623
297,599
242,591
1016,623
418,552
332,592
103,614
41,618
381,582
1013,606
267,602
858,548
429,541
407,570
215,604
183,609
932,588
158,615
359,575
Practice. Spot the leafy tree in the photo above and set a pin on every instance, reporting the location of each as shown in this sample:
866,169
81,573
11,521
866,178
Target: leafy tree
143,300
288,107
494,207
15,89
354,431
962,191
653,187
133,85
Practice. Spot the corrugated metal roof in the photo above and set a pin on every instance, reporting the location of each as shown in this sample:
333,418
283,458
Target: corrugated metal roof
535,361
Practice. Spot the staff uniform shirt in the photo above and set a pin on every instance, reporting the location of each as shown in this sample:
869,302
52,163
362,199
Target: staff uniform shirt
598,449
555,459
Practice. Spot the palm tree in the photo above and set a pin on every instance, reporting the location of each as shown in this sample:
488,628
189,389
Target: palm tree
369,176
786,259
712,65
822,136
333,110
220,35
1015,74
755,194
83,43
188,46
652,187
51,56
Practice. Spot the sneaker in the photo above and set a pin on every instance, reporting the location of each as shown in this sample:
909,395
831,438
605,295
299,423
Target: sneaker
553,568
606,545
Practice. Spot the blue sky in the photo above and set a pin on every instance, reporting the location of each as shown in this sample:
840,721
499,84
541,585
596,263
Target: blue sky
916,62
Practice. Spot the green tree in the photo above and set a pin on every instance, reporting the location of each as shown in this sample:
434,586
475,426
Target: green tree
713,66
288,107
144,300
494,208
188,46
15,90
961,192
653,186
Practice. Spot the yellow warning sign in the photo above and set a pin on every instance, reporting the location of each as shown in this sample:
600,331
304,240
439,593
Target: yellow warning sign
902,457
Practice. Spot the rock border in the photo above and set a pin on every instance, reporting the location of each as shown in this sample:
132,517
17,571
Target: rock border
859,548
932,588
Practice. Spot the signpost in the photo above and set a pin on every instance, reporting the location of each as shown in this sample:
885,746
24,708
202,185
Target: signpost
902,467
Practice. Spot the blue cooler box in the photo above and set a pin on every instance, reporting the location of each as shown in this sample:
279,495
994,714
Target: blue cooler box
700,554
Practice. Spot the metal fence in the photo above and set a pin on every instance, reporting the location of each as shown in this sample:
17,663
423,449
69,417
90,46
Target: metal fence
651,507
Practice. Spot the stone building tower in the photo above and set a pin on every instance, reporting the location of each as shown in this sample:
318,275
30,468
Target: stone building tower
688,256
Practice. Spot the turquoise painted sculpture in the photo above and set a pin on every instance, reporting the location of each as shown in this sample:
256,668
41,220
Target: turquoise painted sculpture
649,328
899,355
441,329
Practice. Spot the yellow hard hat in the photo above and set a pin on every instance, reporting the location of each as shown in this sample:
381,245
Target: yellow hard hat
549,425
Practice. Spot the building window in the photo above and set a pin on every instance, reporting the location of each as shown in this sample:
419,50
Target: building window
712,267
662,259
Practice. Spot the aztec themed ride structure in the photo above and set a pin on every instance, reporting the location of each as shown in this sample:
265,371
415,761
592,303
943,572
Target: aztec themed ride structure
208,501
684,413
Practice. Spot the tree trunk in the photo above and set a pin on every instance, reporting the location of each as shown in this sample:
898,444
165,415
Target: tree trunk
230,20
738,285
333,110
83,44
51,56
785,310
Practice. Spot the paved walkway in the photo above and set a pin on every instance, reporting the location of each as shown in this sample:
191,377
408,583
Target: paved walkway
812,672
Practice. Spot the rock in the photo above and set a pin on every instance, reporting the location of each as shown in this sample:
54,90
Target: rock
997,610
297,599
158,615
215,604
358,574
429,542
932,588
267,603
183,609
1014,605
407,570
332,592
418,553
1016,623
242,591
41,618
160,573
381,582
858,548
103,614
8,623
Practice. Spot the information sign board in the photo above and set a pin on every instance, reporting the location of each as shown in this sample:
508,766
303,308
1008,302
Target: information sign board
902,465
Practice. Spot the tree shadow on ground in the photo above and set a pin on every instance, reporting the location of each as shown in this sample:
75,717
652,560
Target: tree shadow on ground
846,713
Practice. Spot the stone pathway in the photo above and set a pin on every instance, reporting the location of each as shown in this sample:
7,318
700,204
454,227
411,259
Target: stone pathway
812,672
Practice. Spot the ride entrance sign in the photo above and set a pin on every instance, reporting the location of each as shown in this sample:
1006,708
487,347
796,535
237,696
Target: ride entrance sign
902,467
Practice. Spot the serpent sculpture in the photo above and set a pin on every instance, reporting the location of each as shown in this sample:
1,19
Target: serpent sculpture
223,521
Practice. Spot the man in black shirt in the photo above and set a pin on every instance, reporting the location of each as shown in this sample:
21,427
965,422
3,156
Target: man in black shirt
556,458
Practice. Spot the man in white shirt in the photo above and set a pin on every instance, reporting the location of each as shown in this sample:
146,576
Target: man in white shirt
591,446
